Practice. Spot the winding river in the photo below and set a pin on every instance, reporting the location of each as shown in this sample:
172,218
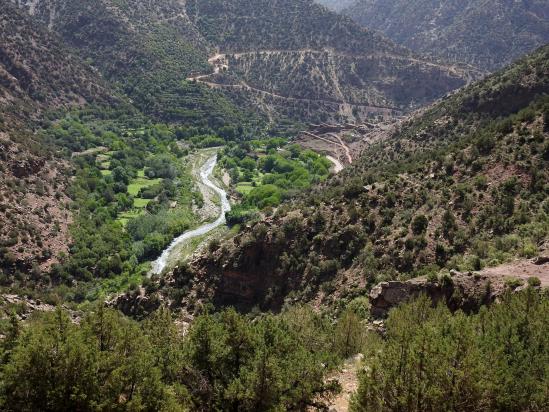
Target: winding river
205,172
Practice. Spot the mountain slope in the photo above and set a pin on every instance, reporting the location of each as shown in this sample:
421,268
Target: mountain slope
37,75
461,185
38,69
486,34
292,59
336,5
147,48
300,58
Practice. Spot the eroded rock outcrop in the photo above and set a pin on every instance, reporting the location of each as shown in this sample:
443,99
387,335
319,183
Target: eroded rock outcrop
137,304
466,291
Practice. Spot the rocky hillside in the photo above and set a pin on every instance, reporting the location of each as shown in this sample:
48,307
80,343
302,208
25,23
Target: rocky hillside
38,71
37,75
486,34
300,59
462,185
292,59
146,48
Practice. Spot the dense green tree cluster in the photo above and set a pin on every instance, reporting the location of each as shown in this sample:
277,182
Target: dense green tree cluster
225,362
275,170
428,359
433,360
125,180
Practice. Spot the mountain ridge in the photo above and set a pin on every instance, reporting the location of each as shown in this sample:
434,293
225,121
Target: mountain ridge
38,75
196,30
487,35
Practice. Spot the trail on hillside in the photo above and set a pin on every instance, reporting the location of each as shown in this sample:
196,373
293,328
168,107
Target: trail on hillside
344,146
347,109
338,143
243,85
347,377
455,69
338,166
219,63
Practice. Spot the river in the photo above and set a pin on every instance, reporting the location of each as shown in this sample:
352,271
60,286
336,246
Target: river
205,172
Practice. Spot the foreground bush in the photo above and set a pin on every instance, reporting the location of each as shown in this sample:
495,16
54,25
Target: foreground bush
433,360
225,362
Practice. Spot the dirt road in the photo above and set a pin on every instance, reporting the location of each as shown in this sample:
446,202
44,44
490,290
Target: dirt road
338,166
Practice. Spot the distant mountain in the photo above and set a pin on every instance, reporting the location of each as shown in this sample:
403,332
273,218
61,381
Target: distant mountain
460,185
291,59
147,48
486,34
38,70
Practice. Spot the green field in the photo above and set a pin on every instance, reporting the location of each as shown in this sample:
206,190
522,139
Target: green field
244,187
125,217
140,203
139,183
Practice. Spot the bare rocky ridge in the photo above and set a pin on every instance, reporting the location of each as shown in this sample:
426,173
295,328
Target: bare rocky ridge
26,307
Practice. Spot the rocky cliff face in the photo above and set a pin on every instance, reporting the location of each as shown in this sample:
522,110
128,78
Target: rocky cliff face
465,291
459,291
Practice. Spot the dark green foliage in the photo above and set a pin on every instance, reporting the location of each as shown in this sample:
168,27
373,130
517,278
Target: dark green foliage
273,177
534,282
106,363
225,362
106,243
259,367
419,224
240,214
486,143
433,360
349,334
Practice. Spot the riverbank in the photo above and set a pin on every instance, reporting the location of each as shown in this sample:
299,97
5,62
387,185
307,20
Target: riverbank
191,239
